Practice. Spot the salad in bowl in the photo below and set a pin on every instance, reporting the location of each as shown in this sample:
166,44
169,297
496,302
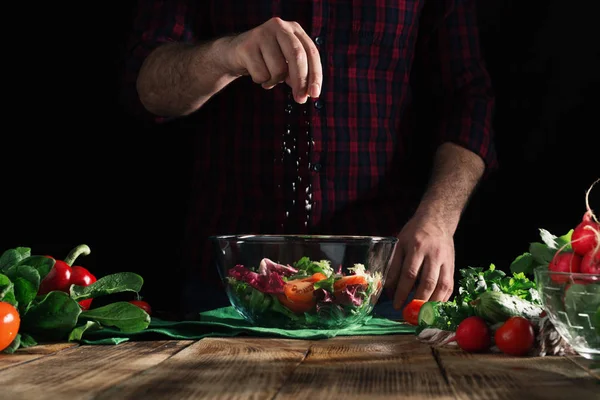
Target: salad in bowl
334,285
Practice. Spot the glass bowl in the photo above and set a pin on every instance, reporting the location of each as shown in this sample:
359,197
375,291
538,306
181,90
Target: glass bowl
572,302
299,282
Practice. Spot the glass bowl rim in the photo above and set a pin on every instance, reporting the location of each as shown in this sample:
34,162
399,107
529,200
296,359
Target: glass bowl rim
297,238
544,271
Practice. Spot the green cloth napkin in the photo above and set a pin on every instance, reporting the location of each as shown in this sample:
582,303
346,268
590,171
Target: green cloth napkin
227,322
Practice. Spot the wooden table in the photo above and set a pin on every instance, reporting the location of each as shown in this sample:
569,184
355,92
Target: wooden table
258,368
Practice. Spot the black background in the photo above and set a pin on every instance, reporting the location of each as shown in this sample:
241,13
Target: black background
76,169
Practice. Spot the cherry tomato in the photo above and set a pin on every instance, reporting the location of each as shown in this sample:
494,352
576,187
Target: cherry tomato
297,307
316,277
515,337
341,284
410,313
9,324
143,305
473,335
299,291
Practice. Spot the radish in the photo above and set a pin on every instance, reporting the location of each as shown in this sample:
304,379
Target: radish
590,264
564,262
586,236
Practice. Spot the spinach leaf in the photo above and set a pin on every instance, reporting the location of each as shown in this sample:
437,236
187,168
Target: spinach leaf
12,256
26,281
26,272
27,341
114,283
7,293
42,264
25,293
15,344
122,315
77,333
53,317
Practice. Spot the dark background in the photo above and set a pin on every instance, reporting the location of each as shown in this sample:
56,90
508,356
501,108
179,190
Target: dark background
76,169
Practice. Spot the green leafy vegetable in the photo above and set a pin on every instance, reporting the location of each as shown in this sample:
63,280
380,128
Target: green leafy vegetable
541,254
77,333
7,291
16,343
53,317
312,267
12,256
26,280
326,284
42,264
115,283
27,341
58,315
121,315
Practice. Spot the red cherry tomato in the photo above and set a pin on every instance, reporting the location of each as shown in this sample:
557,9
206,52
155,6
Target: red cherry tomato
9,324
143,305
473,335
515,337
410,313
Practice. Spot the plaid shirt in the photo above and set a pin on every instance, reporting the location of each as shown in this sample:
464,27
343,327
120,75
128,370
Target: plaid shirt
336,164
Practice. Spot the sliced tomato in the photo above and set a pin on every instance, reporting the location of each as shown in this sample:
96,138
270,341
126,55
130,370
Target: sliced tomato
345,281
316,277
410,313
299,291
296,307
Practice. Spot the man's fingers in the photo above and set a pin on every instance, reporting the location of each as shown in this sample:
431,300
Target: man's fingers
429,279
315,70
410,270
257,69
296,57
445,284
274,60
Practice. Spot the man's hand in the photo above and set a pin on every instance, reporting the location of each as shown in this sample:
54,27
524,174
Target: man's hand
425,250
425,247
275,52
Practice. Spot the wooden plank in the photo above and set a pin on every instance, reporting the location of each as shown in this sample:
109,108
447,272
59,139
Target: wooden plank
218,368
389,367
497,376
82,371
591,366
32,353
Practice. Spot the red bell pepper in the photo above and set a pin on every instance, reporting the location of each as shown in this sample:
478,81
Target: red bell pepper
62,275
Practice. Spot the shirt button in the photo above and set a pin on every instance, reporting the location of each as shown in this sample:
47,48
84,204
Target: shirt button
317,167
318,104
319,40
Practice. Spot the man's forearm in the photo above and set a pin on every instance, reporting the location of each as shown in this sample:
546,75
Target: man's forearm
456,172
177,79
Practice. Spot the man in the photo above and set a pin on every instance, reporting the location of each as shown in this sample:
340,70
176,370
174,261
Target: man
303,116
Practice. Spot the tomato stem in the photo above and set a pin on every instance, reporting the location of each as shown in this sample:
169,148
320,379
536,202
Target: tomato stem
82,249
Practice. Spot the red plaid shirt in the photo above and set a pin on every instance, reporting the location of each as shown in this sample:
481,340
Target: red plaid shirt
336,164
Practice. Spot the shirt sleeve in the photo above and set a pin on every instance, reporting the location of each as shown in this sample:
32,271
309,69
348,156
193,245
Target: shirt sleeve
156,22
452,56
